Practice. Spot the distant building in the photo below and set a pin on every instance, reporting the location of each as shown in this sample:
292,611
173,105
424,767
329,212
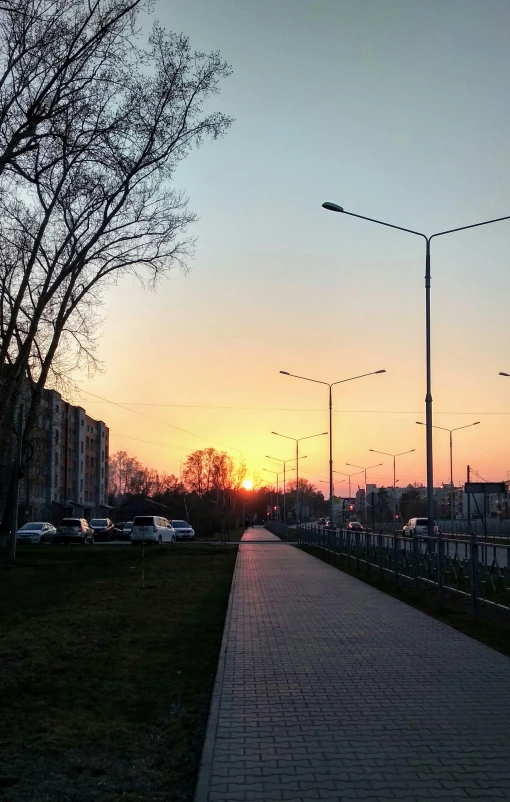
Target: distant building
67,470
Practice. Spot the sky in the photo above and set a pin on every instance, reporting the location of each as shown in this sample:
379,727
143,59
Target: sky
397,110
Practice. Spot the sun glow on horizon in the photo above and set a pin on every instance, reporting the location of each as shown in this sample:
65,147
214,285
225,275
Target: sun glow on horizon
248,484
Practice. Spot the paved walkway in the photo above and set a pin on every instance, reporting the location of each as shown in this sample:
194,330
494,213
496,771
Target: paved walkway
329,690
258,534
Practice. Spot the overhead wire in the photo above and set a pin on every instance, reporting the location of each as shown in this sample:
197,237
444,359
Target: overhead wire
289,409
164,423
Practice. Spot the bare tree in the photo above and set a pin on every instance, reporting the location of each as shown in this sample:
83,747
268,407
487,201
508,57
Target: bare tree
88,194
210,470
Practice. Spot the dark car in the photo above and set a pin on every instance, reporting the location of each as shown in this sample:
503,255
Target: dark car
355,526
74,530
103,529
124,530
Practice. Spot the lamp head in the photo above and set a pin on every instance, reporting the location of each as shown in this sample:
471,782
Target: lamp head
380,371
332,207
285,372
503,374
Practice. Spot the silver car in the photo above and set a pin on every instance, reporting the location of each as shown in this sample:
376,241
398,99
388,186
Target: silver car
418,526
74,530
183,530
36,532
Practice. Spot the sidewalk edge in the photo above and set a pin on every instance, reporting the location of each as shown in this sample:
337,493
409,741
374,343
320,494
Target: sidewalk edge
206,760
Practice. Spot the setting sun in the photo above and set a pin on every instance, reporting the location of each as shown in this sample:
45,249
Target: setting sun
248,484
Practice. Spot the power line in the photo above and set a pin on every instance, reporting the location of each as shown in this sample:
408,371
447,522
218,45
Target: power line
153,442
285,409
164,423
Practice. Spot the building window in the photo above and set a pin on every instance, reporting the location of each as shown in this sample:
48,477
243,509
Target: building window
56,435
102,471
88,442
81,446
82,422
81,484
56,459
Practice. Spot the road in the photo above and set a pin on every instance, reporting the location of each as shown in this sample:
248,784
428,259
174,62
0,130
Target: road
488,554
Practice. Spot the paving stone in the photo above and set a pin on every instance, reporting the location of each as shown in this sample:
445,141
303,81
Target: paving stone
332,690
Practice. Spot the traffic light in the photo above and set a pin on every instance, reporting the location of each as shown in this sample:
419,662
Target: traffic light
351,507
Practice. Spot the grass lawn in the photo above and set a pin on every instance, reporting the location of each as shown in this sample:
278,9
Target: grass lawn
107,662
492,627
233,535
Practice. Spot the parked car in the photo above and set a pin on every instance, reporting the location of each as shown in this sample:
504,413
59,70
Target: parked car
124,530
418,526
323,521
74,530
152,529
183,530
36,532
103,529
355,526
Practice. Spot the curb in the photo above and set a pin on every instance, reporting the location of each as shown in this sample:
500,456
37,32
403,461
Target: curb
206,760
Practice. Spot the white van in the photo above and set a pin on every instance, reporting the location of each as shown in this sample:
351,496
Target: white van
152,529
418,526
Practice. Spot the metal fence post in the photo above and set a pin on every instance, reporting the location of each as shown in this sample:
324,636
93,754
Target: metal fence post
357,551
380,546
416,558
474,571
395,559
440,564
367,540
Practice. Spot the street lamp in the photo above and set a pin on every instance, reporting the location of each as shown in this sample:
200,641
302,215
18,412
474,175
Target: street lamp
284,463
444,429
342,473
297,441
330,386
334,207
277,473
351,465
373,450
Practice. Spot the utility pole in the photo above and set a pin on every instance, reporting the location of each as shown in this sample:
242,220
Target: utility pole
15,489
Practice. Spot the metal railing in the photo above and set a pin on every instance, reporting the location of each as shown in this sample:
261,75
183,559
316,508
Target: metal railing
478,571
282,530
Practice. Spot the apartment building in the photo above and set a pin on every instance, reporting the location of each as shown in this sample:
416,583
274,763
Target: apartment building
67,470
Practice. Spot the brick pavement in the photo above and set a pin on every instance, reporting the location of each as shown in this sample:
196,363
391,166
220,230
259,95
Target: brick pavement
330,690
258,533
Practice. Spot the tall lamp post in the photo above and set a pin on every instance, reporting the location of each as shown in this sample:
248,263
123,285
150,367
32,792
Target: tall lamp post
297,441
330,389
277,490
277,474
457,429
342,473
401,454
284,463
334,207
351,465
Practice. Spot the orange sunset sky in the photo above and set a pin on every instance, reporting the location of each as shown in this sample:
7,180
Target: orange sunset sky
396,111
